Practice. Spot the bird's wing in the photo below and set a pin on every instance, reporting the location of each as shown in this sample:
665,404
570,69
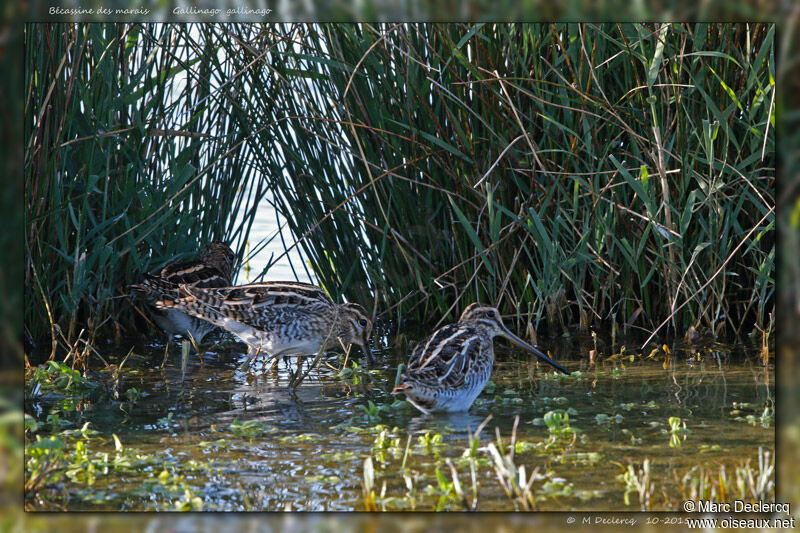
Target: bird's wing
261,304
195,273
446,357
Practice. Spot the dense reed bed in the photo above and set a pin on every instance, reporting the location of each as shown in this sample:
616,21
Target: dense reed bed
574,174
578,174
131,159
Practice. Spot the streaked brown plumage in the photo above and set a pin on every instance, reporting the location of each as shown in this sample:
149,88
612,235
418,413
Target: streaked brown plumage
277,318
212,268
449,369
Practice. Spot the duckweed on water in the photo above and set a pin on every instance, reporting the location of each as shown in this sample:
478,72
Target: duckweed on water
214,445
587,458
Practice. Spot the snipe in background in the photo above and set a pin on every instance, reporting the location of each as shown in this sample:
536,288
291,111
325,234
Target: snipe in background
277,318
212,268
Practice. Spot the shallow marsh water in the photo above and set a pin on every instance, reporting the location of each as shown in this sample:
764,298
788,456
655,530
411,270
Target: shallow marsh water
219,439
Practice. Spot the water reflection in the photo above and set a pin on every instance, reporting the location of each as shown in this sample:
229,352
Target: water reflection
460,424
310,443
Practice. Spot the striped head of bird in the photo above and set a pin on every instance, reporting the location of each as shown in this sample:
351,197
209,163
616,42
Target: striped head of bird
488,320
354,326
219,255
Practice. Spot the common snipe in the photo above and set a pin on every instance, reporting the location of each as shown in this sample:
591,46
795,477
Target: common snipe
449,369
212,268
277,318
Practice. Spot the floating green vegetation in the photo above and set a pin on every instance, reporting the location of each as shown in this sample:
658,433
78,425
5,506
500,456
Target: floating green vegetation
603,419
339,457
452,482
214,445
315,455
707,448
386,444
550,400
353,374
168,485
634,405
430,443
586,458
677,431
577,375
562,434
764,414
509,397
300,438
374,412
348,428
55,376
633,438
251,429
51,461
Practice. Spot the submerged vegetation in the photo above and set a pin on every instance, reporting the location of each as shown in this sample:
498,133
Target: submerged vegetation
574,174
137,437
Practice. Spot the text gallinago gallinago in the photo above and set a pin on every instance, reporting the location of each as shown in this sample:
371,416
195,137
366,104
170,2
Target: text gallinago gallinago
449,369
212,268
277,318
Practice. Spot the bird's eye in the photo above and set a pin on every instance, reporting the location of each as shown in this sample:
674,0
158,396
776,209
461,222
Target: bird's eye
363,321
490,314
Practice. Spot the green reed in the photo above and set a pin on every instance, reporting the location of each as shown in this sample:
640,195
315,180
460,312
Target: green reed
131,158
572,173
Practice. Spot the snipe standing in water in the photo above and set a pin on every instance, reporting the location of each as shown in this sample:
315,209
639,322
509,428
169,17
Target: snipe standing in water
278,318
450,368
212,268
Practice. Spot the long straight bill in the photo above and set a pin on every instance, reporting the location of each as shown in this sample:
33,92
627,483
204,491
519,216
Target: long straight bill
522,344
368,354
